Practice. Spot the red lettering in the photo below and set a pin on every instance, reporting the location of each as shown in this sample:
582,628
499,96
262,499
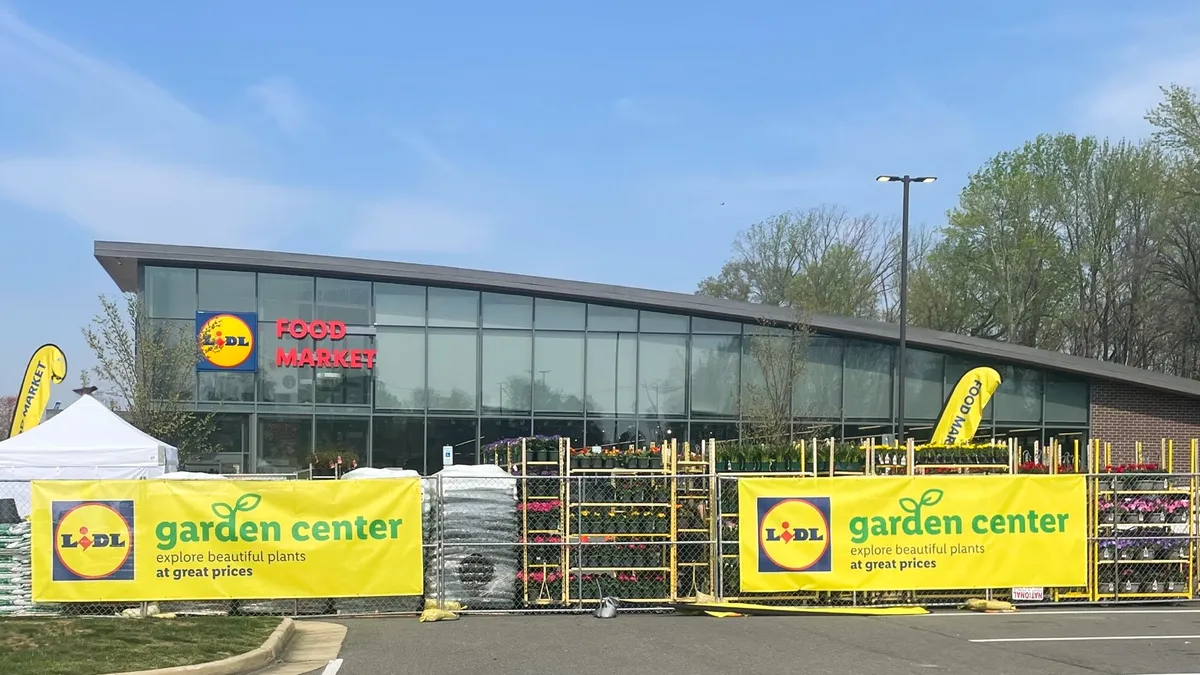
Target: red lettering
355,358
306,357
370,356
322,358
285,358
280,326
298,329
337,330
339,358
318,330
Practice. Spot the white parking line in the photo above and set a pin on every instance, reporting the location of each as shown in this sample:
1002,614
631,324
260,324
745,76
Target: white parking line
332,668
1048,612
1091,638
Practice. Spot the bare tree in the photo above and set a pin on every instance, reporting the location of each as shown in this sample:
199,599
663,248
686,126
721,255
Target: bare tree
821,259
147,368
776,355
8,407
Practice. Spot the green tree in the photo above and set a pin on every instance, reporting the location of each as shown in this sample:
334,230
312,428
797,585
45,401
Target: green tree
147,370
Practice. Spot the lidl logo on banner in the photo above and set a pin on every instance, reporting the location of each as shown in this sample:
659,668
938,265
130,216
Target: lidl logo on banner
794,534
227,341
93,540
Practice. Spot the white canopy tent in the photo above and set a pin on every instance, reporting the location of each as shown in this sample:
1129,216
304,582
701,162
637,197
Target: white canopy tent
85,441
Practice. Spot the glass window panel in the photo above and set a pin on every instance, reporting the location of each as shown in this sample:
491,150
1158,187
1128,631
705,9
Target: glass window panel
399,305
507,359
345,437
507,311
284,443
611,372
281,384
558,364
284,296
400,369
398,443
170,292
218,386
923,384
172,364
460,433
351,386
868,380
701,432
226,291
607,432
1067,399
558,315
344,300
493,429
1019,396
716,373
661,431
615,319
818,389
453,360
715,326
956,367
571,429
231,438
767,364
662,374
657,322
453,308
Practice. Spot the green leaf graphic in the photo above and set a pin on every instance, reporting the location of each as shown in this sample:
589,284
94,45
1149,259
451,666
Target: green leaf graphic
222,510
932,496
908,504
247,502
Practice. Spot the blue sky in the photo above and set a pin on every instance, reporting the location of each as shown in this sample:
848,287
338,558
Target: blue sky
594,141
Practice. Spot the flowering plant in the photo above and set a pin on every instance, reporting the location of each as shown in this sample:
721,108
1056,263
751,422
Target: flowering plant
545,506
1132,468
1175,505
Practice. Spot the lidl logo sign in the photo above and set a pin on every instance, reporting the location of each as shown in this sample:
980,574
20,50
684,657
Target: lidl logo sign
793,534
93,540
227,341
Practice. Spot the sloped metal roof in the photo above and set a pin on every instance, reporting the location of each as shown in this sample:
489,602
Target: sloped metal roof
121,260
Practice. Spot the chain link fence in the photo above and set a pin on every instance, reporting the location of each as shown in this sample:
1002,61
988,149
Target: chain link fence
553,543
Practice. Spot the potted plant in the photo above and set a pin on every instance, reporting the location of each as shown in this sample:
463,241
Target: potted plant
1154,513
333,461
1128,585
641,458
1176,510
1107,510
1125,550
1177,582
1131,512
1107,581
655,460
609,458
1108,549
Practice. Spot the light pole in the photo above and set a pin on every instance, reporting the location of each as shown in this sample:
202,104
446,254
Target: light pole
901,351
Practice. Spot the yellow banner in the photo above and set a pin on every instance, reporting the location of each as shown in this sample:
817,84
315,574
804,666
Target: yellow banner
912,533
964,409
144,540
48,365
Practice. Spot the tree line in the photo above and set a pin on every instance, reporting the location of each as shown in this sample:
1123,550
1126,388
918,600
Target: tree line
1070,243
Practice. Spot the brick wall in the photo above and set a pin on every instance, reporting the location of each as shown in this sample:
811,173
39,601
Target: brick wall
1123,415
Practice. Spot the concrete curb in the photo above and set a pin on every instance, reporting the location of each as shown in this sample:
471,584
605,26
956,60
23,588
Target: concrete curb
255,659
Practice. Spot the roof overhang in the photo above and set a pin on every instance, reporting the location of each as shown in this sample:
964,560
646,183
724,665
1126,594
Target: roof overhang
121,261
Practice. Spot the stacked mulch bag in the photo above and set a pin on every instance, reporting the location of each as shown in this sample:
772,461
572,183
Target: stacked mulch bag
16,576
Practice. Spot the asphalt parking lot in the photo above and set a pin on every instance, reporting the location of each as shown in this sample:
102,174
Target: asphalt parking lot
1047,642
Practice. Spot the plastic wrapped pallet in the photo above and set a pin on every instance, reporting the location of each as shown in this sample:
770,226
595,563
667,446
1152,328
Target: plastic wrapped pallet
397,603
16,575
476,507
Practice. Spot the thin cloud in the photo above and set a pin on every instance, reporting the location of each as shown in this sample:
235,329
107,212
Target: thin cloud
121,156
282,104
415,226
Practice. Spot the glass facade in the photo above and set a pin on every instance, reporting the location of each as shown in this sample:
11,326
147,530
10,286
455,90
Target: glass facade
463,368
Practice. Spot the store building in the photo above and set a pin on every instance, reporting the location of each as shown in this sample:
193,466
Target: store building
435,356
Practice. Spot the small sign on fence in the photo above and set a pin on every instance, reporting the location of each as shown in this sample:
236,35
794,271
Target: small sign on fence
447,455
1028,594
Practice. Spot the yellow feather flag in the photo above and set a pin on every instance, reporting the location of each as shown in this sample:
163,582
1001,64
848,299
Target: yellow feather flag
964,410
48,366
